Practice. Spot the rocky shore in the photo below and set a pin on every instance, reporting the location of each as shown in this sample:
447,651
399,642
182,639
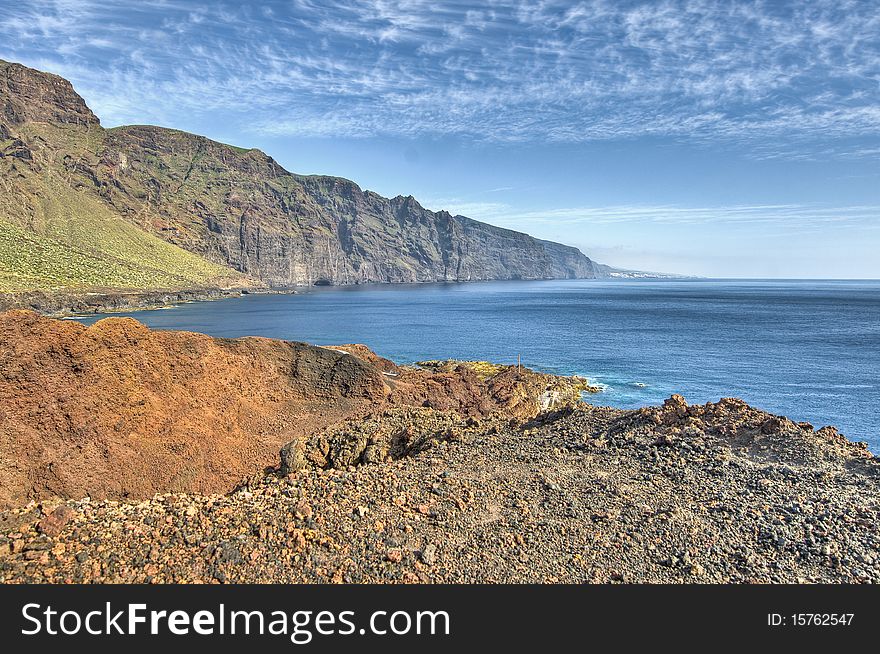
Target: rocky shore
71,303
455,472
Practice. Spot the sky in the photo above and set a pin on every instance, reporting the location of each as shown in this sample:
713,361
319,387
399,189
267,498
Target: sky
720,139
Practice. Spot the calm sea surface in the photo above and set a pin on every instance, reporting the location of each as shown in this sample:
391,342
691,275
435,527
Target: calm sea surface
806,349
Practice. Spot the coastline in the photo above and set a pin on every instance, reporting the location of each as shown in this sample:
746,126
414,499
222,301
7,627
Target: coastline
424,397
635,374
65,303
70,303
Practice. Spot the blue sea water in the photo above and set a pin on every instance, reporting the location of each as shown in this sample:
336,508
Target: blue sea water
806,349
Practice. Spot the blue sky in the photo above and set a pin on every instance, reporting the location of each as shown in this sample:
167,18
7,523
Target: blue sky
708,138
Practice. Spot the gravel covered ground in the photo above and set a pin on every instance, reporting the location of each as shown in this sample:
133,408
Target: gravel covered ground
710,493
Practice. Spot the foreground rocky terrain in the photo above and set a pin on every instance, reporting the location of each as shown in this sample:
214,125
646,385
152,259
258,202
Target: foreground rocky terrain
132,455
116,410
714,493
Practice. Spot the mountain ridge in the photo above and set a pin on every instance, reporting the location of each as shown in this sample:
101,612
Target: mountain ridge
211,214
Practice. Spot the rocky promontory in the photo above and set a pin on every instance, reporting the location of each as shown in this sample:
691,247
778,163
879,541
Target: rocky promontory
116,410
139,456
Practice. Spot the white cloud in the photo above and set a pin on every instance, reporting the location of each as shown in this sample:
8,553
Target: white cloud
784,79
803,216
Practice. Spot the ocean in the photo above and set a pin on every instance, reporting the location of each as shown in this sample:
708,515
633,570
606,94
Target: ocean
806,349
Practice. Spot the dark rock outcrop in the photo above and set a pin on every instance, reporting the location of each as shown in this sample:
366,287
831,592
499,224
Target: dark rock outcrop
29,95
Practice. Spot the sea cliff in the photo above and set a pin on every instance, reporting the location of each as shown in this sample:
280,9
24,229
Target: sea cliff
145,208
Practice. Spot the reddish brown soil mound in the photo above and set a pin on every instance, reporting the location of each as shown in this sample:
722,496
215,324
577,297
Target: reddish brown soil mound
116,410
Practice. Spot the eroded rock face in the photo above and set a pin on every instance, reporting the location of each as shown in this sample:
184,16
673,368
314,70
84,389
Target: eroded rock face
514,391
29,95
239,208
244,210
455,400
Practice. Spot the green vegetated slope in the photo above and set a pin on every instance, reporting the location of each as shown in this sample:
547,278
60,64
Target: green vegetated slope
56,232
54,236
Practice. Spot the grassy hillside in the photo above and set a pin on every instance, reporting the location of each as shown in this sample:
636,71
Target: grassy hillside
56,234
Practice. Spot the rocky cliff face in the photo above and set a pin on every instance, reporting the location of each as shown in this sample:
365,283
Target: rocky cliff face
239,209
29,95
